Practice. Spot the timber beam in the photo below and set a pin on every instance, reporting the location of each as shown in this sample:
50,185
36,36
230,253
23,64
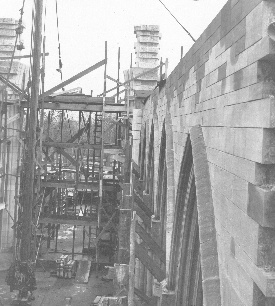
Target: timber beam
139,201
149,263
150,242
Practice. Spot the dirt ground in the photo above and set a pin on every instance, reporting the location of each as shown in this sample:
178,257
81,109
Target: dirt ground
53,291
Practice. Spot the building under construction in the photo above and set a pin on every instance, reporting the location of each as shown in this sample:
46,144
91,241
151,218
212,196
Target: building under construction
158,191
67,161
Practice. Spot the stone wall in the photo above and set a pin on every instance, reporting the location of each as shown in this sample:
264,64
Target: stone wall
226,84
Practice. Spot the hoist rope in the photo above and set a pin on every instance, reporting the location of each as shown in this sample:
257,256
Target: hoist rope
60,64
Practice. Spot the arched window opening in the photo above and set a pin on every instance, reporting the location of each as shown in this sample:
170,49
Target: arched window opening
142,156
161,200
185,272
150,168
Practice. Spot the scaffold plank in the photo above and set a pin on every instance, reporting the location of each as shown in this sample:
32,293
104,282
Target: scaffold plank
109,149
110,108
79,98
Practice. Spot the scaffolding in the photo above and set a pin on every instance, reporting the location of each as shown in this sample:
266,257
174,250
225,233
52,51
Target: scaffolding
73,163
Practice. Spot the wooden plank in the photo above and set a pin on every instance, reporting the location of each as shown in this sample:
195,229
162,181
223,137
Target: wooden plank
149,263
151,243
109,108
68,221
83,272
141,204
74,78
72,184
78,98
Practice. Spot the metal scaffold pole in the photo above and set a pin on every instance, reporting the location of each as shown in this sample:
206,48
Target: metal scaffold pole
28,188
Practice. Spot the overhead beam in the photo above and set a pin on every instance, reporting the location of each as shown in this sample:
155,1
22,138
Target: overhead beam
72,79
72,184
149,263
114,108
150,242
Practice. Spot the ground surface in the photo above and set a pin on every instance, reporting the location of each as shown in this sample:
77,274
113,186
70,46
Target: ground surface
53,291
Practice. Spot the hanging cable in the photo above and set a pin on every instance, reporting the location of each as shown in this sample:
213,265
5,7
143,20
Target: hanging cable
178,21
60,64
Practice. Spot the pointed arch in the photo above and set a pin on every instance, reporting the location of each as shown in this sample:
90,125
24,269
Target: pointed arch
185,268
194,270
149,187
142,154
161,197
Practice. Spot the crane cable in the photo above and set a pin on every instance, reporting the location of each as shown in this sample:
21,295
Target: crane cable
177,21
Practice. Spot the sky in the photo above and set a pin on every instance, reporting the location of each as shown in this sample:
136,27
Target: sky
85,25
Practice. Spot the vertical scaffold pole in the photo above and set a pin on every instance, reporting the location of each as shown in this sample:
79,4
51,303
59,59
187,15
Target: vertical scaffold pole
99,213
28,188
131,291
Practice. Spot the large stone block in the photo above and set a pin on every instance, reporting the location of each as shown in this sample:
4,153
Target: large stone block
261,204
